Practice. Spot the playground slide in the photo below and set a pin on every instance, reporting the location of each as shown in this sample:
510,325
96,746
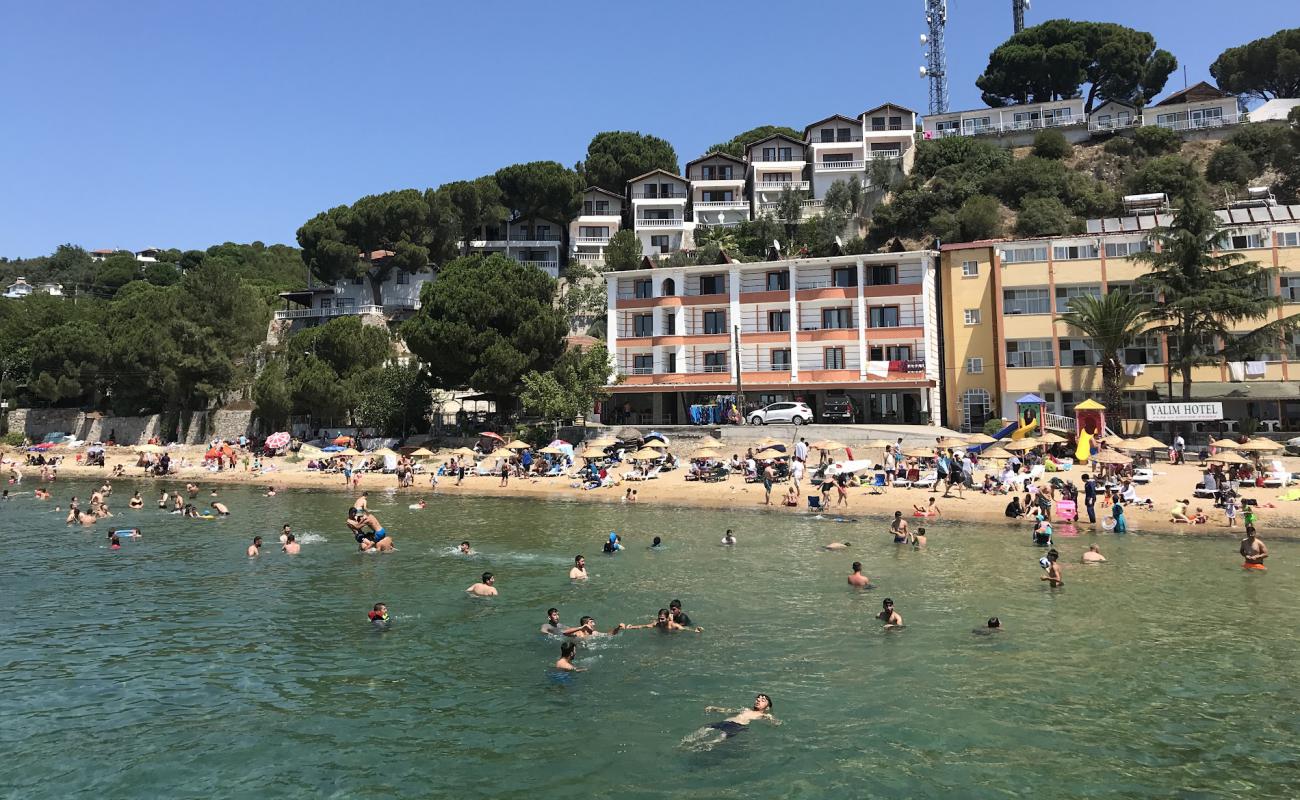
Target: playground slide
1024,431
1084,451
976,449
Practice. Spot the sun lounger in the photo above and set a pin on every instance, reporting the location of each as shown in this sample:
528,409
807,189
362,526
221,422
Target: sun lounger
927,481
1277,477
1143,475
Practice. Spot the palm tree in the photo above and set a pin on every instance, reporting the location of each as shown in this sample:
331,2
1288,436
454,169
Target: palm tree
1113,322
1203,297
720,235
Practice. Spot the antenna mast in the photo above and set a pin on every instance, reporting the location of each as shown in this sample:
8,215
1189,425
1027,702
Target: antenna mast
936,63
1018,8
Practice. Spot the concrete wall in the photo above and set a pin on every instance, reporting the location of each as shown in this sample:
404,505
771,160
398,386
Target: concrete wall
196,428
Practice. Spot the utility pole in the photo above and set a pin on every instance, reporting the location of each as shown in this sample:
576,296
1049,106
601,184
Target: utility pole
936,62
1018,8
740,390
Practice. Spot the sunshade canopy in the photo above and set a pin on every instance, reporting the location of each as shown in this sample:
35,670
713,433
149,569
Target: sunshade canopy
1109,457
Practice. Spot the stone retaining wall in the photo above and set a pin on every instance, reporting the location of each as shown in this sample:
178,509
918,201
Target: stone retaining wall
198,428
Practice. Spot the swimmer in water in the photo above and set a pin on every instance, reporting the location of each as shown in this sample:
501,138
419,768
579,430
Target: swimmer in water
130,533
136,501
360,504
1253,551
587,627
552,626
728,538
579,571
485,587
285,530
889,616
710,736
465,548
836,546
614,544
918,539
113,542
193,490
378,537
657,544
664,622
255,547
291,546
899,528
270,491
856,578
1093,555
679,616
994,625
221,509
378,615
565,662
930,509
1053,576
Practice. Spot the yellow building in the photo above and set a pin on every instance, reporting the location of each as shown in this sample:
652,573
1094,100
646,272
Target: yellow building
1001,298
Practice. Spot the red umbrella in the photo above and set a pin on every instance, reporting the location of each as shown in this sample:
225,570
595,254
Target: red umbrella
214,452
491,435
343,440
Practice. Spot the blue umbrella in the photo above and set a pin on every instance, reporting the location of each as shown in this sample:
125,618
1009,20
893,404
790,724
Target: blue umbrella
334,448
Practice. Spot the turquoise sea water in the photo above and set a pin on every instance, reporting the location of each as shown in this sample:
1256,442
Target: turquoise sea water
177,667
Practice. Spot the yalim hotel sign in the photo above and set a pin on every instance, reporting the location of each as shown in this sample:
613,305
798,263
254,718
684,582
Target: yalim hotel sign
1184,412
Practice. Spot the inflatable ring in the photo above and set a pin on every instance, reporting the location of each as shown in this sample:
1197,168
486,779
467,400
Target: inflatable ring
1108,524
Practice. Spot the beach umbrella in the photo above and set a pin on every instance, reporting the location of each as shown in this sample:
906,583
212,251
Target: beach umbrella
646,454
349,452
1140,443
829,444
1260,445
491,435
628,434
334,448
1109,457
704,452
213,452
151,448
769,454
518,445
343,440
424,452
877,444
655,435
383,452
951,441
592,452
708,441
656,444
1228,458
464,451
551,451
980,438
995,453
767,441
603,441
1021,445
1226,444
1052,438
277,440
919,452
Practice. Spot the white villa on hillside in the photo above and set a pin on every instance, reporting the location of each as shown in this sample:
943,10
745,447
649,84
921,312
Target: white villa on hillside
659,212
601,218
20,288
529,241
304,308
718,195
776,163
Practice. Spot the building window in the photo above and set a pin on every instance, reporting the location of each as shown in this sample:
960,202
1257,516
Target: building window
641,289
650,191
893,352
403,277
346,304
543,233
844,277
974,365
833,358
1078,353
1290,239
358,281
643,325
326,303
843,135
778,321
972,316
715,322
1145,294
659,243
778,281
1074,252
593,232
837,158
1020,255
715,362
669,287
670,362
1290,288
785,153
837,318
643,364
1064,294
670,324
1030,353
877,123
713,284
1242,241
828,134
781,360
769,154
884,317
882,275
970,269
1026,301
1144,350
976,408
1126,249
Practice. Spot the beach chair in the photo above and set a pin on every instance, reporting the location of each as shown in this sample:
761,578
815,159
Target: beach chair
878,484
814,503
905,479
651,474
1277,477
555,472
1143,476
927,481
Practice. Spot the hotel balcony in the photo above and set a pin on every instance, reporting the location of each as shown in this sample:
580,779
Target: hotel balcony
644,222
334,311
720,205
592,240
839,166
884,155
780,186
551,268
549,241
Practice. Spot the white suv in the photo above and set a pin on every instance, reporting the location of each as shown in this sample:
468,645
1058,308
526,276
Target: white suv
798,413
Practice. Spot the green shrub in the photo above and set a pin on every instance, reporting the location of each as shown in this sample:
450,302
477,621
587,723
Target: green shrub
1176,177
1120,146
992,426
13,439
1051,144
980,217
1045,216
1259,142
1152,140
1230,164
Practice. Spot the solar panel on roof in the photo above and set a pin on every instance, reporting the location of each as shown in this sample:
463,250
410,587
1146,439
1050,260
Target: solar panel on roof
1164,220
1094,226
1129,224
1259,214
1239,215
1112,224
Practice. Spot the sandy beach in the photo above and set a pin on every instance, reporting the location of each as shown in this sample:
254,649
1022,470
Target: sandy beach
1172,482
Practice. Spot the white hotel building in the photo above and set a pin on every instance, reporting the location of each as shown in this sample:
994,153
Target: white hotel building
860,325
659,215
601,218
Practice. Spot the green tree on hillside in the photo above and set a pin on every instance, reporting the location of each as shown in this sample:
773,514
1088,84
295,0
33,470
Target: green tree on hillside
542,190
1265,68
735,146
485,323
1053,60
623,251
615,157
1202,297
1173,175
1111,323
570,388
477,203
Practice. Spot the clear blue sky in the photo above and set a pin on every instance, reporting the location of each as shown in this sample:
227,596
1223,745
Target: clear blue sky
183,124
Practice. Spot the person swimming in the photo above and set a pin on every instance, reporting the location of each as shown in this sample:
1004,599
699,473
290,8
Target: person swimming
889,616
994,625
657,544
614,544
1053,576
663,621
710,736
113,542
899,528
378,615
728,538
552,626
565,662
465,549
856,578
579,570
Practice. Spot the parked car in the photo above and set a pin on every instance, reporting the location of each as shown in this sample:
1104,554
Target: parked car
798,413
838,408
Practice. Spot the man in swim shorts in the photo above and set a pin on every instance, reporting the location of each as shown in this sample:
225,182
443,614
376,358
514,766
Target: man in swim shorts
737,722
1093,555
1053,575
378,535
255,547
552,626
679,616
889,616
485,587
857,578
291,546
899,528
587,627
579,571
1253,550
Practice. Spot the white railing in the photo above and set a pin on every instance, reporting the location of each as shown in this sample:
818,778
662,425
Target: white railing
643,370
803,205
1058,422
591,240
551,267
721,204
547,241
658,196
1010,127
1116,125
780,186
1204,123
718,180
854,138
776,163
333,311
831,166
714,368
881,155
589,258
659,223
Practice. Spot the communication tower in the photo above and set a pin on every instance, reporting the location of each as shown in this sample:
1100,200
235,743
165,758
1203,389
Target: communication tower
936,63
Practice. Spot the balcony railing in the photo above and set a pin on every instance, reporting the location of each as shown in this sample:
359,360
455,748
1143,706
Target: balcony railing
537,241
333,311
721,204
643,222
550,267
715,368
791,160
882,155
780,186
1204,123
643,370
1115,124
838,165
643,195
853,138
590,258
993,129
719,179
591,240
